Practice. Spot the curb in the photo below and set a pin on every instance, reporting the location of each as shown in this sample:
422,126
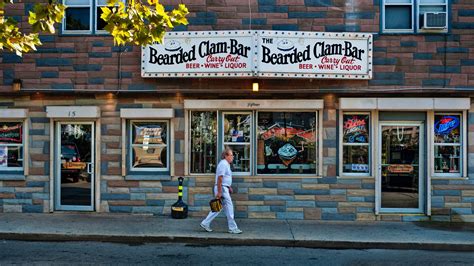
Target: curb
206,241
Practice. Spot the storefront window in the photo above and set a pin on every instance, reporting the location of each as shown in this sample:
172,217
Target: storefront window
447,143
286,143
355,145
237,136
149,145
203,142
11,145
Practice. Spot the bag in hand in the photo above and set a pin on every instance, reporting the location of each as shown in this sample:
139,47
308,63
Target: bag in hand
216,205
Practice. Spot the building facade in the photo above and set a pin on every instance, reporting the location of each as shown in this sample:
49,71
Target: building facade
84,128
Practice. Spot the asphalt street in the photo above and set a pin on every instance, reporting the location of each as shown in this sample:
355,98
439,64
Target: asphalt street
24,252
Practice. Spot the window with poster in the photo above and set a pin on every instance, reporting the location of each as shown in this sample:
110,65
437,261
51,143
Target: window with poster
11,146
286,143
263,142
448,141
149,145
356,144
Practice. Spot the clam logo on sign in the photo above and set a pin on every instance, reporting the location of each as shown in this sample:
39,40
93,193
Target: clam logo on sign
285,45
172,46
446,124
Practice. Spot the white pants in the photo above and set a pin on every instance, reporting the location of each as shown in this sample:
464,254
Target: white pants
228,209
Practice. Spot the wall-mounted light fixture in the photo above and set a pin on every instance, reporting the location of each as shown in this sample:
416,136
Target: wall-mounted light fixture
255,85
16,84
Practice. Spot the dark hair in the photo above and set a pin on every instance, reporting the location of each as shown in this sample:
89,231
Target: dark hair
226,151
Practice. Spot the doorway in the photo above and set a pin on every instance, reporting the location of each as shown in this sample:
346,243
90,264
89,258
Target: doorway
74,166
401,169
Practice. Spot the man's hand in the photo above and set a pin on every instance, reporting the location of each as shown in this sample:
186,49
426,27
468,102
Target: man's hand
231,190
219,195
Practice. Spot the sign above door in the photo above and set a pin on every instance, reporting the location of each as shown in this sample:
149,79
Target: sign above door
271,54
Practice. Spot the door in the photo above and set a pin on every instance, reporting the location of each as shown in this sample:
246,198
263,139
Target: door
401,172
74,166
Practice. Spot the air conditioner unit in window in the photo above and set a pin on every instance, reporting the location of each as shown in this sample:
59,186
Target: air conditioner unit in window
434,20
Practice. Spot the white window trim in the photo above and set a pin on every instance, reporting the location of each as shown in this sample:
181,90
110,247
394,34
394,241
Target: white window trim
370,145
411,30
167,145
418,27
23,146
250,143
252,106
188,135
463,147
91,13
97,5
318,149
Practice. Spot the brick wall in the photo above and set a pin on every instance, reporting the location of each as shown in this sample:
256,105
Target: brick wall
326,198
417,62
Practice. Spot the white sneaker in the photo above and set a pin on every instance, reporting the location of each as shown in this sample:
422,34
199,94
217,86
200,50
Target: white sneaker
235,231
206,227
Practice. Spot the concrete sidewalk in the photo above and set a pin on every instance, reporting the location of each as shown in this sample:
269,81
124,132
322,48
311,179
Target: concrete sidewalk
292,233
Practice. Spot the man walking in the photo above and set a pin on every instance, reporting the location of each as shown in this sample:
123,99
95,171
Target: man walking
222,190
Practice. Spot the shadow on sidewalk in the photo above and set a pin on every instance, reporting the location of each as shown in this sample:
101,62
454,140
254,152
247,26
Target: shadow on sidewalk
446,226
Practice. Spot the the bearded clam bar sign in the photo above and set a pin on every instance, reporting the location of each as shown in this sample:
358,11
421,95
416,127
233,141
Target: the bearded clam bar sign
275,54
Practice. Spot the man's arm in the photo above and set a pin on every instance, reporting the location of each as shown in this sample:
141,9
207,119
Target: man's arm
219,186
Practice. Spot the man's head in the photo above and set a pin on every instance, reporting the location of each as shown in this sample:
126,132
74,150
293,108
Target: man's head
228,154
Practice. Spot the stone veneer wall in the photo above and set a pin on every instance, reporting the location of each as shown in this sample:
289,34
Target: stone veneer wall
326,198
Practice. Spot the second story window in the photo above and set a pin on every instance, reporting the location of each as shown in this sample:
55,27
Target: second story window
414,16
83,17
78,17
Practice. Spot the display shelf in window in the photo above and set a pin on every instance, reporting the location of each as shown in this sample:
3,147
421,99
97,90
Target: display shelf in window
447,144
237,135
203,134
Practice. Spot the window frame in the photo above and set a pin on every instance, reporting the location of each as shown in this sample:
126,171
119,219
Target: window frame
318,147
189,139
415,16
342,144
384,4
93,5
91,22
251,143
21,146
130,145
461,145
418,13
221,106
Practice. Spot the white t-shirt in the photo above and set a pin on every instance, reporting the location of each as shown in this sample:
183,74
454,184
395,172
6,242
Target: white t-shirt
223,169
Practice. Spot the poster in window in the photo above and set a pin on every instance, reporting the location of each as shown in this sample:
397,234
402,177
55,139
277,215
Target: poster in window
11,133
148,133
286,143
3,156
356,128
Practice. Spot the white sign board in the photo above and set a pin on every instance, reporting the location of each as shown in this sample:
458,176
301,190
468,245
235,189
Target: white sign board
200,54
273,54
314,55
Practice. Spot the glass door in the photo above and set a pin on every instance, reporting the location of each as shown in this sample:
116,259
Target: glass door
74,161
401,184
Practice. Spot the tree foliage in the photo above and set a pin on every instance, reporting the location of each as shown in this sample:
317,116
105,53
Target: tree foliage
141,24
132,22
42,19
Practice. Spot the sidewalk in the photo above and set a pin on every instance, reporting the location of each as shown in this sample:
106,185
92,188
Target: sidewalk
292,233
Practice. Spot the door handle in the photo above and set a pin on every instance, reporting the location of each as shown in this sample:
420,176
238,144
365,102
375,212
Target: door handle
90,168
